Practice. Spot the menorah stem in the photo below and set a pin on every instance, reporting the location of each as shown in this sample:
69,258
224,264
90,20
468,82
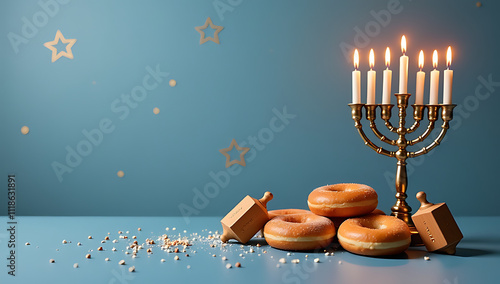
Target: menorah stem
401,209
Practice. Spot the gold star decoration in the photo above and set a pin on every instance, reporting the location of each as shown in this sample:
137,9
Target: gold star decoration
217,29
68,53
228,157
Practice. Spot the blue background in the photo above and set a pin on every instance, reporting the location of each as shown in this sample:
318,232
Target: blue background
272,55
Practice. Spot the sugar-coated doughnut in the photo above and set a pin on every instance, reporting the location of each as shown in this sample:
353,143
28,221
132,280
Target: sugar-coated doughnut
304,231
279,212
343,200
374,235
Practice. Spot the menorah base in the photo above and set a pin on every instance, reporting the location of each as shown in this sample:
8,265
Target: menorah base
416,240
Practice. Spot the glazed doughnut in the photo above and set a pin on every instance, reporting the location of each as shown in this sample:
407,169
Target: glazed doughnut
299,232
279,212
343,200
374,235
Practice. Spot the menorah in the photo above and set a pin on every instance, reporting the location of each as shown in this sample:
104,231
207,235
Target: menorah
401,209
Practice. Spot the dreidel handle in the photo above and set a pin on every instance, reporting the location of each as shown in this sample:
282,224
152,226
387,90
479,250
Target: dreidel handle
266,198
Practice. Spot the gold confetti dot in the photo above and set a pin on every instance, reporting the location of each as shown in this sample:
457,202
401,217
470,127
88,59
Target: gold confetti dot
156,110
25,130
479,4
120,174
94,82
172,83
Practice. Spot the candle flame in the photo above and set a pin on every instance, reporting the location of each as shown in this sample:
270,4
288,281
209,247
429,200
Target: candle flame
448,57
372,59
435,59
356,59
403,44
387,57
421,60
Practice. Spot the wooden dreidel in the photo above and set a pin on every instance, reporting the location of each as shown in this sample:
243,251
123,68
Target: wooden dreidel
245,219
436,226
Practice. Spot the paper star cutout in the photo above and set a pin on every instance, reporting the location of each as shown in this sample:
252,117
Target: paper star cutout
217,29
228,157
68,53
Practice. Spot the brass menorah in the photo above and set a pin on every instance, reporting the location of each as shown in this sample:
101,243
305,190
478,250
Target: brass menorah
401,209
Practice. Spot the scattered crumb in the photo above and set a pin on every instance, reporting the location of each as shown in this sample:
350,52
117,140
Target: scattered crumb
51,260
139,229
106,259
282,260
100,249
237,264
106,238
88,255
113,249
64,241
27,244
121,262
316,260
173,229
188,267
162,260
289,254
115,241
278,265
127,252
131,269
427,258
90,237
224,258
75,265
258,245
340,261
176,257
79,244
228,265
251,250
307,255
214,255
295,261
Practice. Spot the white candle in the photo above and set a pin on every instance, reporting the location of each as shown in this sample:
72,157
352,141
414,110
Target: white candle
419,93
403,69
356,80
370,92
386,88
448,79
434,90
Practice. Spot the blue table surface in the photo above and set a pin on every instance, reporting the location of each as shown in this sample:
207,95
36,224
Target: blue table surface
477,259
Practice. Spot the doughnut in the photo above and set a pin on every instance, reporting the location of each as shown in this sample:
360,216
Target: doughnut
339,220
374,235
279,212
303,231
343,200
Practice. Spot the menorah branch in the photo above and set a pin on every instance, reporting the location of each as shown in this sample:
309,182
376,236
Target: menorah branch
418,115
